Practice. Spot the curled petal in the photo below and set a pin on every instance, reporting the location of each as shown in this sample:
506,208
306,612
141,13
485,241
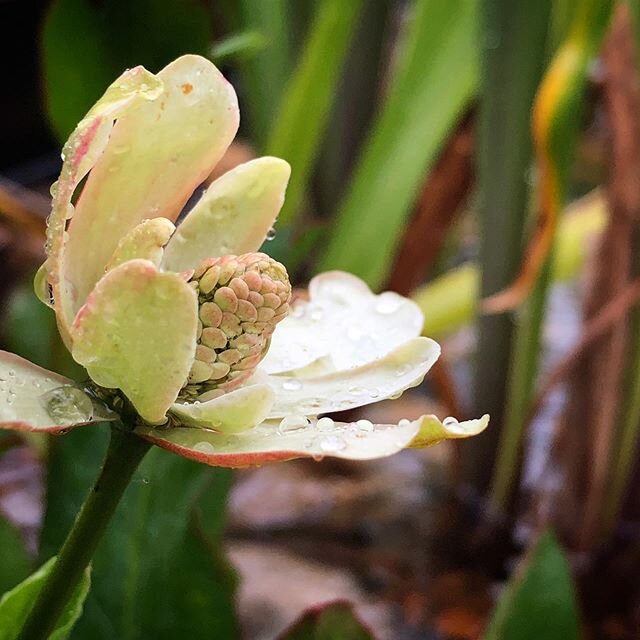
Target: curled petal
232,412
432,431
137,333
145,241
34,399
343,325
404,367
274,441
232,217
156,155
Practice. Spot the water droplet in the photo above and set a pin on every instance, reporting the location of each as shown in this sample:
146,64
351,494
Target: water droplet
449,421
325,424
144,480
67,405
404,422
292,385
11,397
357,391
395,396
293,423
271,234
365,425
402,370
204,447
388,304
53,189
12,373
374,393
331,444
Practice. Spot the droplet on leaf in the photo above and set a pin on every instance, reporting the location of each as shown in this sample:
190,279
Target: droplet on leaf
67,405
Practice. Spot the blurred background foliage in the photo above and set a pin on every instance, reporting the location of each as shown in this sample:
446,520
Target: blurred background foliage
481,156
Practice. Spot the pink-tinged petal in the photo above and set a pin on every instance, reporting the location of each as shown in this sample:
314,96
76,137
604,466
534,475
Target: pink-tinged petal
432,431
81,152
233,216
145,241
386,377
274,441
232,412
34,399
342,325
137,333
157,154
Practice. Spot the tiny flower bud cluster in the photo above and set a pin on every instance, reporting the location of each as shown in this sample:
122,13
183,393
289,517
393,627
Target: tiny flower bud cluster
241,300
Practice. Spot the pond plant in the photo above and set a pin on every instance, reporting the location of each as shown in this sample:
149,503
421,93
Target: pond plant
192,339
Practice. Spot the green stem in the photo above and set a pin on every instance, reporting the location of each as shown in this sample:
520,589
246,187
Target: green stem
124,454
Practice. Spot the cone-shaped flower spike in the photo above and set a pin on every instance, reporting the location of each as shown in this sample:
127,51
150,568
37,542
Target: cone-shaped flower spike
189,326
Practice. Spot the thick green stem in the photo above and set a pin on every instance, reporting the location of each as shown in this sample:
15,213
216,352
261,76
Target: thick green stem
125,453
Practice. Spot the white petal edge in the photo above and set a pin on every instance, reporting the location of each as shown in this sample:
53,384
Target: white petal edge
343,322
388,376
432,430
232,412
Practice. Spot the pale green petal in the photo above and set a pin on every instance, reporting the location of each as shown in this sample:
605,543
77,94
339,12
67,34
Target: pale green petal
137,333
34,399
343,323
274,441
432,430
80,153
232,217
389,376
145,241
157,154
232,412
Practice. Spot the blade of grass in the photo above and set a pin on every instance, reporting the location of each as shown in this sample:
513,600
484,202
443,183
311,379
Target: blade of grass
309,95
435,81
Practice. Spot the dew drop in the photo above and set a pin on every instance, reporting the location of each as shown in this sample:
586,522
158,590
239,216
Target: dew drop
357,391
449,421
325,424
330,444
404,422
365,425
374,393
293,423
67,405
271,234
292,385
402,370
388,304
12,373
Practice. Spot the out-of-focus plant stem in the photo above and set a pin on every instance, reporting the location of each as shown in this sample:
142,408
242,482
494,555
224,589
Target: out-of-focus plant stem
448,302
555,129
513,39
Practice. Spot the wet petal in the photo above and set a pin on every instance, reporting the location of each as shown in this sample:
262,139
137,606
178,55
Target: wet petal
389,376
432,430
344,323
137,333
145,241
232,412
233,216
80,153
34,399
295,437
157,154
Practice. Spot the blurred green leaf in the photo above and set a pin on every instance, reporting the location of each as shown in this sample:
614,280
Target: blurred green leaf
540,600
334,621
239,45
85,45
436,79
16,604
15,563
159,572
306,103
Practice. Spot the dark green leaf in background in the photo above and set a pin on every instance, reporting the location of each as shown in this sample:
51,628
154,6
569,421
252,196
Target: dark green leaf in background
15,564
335,621
539,601
158,572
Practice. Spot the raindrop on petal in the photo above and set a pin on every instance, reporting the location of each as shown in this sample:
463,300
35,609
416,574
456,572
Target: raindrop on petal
388,304
357,391
449,421
330,444
67,405
292,385
271,234
365,425
292,423
325,424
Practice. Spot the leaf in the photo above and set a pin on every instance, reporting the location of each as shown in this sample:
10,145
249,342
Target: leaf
434,84
540,600
34,399
307,100
137,333
86,44
15,563
334,621
16,604
158,572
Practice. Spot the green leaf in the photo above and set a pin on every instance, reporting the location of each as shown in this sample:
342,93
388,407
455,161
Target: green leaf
85,45
15,564
16,604
540,600
436,80
335,621
158,572
306,104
